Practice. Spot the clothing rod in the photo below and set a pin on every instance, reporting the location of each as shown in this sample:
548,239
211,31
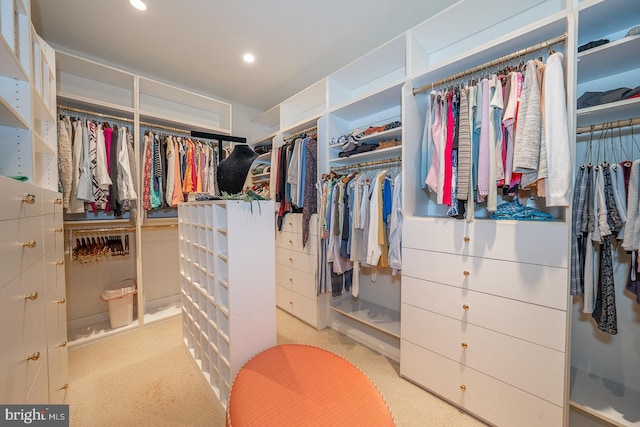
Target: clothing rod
493,63
609,125
93,113
167,128
101,230
160,226
296,134
366,164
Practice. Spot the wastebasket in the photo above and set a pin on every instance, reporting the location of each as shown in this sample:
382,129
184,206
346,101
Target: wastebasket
119,295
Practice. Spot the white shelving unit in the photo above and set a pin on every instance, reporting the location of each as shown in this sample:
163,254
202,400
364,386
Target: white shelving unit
33,362
227,280
605,379
142,102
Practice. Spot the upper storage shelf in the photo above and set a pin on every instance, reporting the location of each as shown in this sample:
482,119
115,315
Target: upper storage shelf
476,32
169,104
15,28
376,70
90,83
305,106
265,126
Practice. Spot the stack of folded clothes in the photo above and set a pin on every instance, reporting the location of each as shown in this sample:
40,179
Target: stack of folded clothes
352,143
260,169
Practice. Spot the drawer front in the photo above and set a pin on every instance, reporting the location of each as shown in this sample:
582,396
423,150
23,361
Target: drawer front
293,223
284,298
298,260
530,322
530,242
294,241
58,373
284,275
530,283
14,255
530,367
15,197
50,233
305,309
304,283
488,398
51,202
23,335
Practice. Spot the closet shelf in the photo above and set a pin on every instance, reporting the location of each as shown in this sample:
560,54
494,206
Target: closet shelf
611,58
610,112
264,140
11,68
380,136
9,116
385,153
89,103
376,316
590,392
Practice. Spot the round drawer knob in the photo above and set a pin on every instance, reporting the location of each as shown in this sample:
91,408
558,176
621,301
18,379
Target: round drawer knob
463,388
465,307
61,262
31,296
291,242
291,279
30,244
61,301
466,239
62,344
58,230
290,259
64,387
29,199
291,302
465,273
34,356
464,345
57,201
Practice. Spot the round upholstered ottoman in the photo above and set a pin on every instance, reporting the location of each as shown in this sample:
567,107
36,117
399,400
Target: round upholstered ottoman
301,385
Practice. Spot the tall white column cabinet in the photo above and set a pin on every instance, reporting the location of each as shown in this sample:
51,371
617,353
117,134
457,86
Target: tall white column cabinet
227,276
33,358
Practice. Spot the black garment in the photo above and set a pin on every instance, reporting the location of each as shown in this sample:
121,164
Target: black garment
165,169
590,99
591,45
232,171
113,173
310,205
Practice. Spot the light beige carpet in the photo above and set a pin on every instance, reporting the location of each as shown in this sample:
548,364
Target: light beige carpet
145,378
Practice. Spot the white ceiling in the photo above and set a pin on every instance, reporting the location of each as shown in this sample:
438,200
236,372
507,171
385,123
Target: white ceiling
198,44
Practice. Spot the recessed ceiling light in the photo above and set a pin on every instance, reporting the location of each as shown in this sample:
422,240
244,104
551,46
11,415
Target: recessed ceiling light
248,58
138,4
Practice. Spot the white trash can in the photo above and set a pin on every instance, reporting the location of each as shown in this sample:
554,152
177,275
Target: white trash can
119,295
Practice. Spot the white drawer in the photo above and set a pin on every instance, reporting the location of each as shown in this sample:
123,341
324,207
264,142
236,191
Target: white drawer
530,322
293,223
488,398
298,260
304,283
51,202
520,241
305,309
533,368
49,233
293,241
22,335
14,255
284,275
58,360
530,283
284,298
14,196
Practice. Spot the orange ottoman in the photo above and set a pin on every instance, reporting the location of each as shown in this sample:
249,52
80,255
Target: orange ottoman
301,385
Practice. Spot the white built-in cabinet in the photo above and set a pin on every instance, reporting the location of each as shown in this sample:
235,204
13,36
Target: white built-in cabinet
227,276
33,358
605,369
139,102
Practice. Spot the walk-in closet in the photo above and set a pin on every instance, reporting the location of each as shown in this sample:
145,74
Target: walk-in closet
459,201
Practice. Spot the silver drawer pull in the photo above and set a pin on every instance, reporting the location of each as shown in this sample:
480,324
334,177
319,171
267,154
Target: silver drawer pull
30,244
31,296
29,199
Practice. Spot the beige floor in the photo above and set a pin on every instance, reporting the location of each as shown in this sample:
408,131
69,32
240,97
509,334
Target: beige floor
145,378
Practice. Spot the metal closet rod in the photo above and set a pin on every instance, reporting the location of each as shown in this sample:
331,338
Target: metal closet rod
93,113
501,60
366,164
295,135
124,119
101,230
609,125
